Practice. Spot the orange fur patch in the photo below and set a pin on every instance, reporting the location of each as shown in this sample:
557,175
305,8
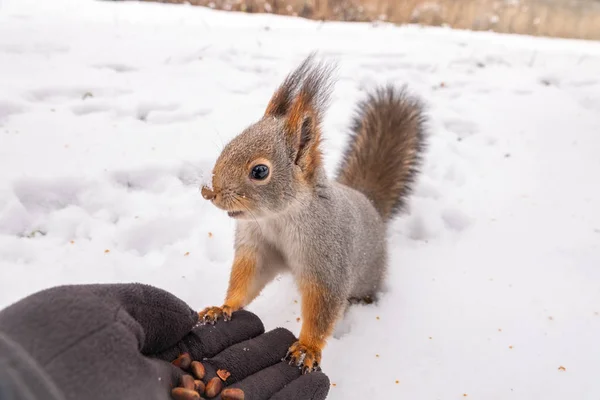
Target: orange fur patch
300,108
241,279
310,157
318,315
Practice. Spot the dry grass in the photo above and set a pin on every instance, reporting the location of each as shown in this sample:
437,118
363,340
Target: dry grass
553,18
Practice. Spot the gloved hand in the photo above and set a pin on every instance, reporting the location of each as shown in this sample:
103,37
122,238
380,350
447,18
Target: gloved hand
118,341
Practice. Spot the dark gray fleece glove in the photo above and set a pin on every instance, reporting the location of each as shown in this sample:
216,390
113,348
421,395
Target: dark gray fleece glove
118,341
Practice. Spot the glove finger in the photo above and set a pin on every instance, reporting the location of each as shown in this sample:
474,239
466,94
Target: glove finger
312,386
164,318
267,382
249,357
205,341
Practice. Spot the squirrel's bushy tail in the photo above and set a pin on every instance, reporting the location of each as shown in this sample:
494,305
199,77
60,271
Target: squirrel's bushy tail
386,148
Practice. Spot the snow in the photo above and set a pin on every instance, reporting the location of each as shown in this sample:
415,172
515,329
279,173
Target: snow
112,114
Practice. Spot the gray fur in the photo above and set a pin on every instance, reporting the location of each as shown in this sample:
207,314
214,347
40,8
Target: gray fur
334,236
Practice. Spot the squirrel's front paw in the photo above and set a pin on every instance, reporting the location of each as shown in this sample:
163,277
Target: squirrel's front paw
303,356
211,314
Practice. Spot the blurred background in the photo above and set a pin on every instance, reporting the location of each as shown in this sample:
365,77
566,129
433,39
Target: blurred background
578,19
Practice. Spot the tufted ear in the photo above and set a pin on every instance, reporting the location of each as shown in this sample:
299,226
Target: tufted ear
303,134
310,77
280,102
302,100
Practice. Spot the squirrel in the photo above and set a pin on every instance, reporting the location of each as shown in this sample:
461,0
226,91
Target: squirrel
290,217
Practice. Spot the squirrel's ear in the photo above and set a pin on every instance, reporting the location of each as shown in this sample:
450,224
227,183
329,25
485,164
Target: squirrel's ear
303,133
301,100
309,77
281,101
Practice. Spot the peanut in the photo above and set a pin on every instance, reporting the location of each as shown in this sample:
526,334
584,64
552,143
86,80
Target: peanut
232,394
198,369
213,387
199,386
183,361
187,382
184,394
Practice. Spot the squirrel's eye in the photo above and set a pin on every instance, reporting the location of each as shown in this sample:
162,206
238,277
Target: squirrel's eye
260,172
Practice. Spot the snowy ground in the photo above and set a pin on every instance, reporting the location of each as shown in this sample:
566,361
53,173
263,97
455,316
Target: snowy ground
111,114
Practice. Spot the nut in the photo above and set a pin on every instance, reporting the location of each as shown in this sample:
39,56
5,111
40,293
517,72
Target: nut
187,381
232,394
213,387
184,394
183,361
199,386
198,369
223,374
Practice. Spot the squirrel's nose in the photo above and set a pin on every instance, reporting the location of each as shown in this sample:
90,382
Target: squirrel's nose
208,193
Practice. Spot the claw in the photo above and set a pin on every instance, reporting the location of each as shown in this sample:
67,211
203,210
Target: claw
210,315
287,355
227,311
288,358
307,369
303,357
300,360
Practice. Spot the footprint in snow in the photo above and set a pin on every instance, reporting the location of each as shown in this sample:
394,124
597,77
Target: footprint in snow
455,219
427,190
549,81
119,68
151,178
144,109
146,236
91,107
148,112
342,328
45,195
74,94
8,108
455,174
159,179
421,228
461,128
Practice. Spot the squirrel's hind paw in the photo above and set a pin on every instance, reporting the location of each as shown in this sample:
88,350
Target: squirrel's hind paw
304,357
